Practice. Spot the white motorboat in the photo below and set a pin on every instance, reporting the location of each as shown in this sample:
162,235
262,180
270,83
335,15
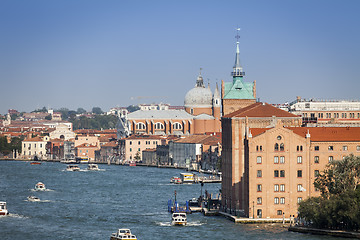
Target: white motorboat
40,186
93,167
33,199
3,209
179,219
72,168
123,233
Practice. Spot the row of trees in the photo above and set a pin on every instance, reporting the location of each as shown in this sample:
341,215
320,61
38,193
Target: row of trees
338,206
98,122
6,148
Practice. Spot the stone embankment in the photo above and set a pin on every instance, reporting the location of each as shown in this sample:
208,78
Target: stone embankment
328,232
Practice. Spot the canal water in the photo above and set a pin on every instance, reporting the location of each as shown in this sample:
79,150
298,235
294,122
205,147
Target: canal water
93,204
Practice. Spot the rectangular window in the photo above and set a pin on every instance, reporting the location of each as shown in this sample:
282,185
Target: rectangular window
276,200
258,159
316,173
299,199
331,158
299,159
282,173
130,142
276,187
282,159
316,148
331,148
259,173
259,200
130,149
139,142
40,145
259,188
316,159
282,200
299,173
279,212
35,145
282,187
276,159
276,173
299,188
345,148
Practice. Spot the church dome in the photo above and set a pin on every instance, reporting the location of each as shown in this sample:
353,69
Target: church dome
199,96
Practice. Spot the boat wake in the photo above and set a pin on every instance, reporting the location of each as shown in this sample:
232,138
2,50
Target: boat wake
13,215
189,224
46,190
41,201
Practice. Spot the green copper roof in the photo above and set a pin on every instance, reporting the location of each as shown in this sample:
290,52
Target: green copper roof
238,89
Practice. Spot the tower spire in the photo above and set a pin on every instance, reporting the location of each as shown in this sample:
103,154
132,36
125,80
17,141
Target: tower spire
237,69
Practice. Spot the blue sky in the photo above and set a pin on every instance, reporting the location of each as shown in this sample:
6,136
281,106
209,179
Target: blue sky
85,53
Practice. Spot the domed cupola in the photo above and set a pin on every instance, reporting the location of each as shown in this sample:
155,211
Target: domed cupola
199,96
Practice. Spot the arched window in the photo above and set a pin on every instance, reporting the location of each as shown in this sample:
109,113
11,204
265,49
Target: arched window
276,148
159,126
281,147
140,126
177,126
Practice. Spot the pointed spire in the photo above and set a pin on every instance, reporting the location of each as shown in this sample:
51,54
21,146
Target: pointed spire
200,81
237,69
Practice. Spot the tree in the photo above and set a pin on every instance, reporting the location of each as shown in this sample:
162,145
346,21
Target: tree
338,207
133,108
97,110
80,111
48,117
137,156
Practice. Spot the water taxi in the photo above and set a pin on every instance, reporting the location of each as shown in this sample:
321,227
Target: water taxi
40,186
187,178
33,199
3,209
72,168
123,233
178,219
93,167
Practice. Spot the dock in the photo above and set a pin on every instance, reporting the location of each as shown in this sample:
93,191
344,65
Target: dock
252,220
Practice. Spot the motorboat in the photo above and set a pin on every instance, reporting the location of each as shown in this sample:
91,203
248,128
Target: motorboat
3,209
175,180
178,219
93,167
123,233
40,186
33,199
72,168
35,163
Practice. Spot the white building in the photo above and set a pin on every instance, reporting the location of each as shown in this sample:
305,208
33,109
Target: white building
34,148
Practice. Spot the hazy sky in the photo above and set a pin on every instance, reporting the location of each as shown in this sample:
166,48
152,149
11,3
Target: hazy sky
84,53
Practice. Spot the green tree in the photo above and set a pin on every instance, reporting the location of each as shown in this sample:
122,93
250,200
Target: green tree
97,110
133,108
137,156
338,207
80,111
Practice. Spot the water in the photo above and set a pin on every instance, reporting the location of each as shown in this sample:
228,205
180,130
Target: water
93,204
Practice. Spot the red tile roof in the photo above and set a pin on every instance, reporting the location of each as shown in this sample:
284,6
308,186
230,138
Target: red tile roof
260,110
321,134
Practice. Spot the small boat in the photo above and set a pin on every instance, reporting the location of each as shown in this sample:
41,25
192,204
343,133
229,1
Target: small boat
33,199
132,163
35,163
178,219
93,167
3,209
175,180
72,168
123,233
40,186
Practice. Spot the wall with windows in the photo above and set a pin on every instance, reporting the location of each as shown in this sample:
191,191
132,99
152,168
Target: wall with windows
284,162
